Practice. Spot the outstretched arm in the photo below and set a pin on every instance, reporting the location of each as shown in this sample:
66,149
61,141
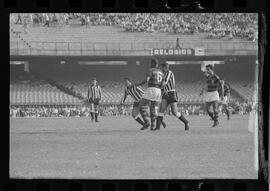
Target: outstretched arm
203,90
143,82
100,93
88,93
221,85
148,76
124,98
222,90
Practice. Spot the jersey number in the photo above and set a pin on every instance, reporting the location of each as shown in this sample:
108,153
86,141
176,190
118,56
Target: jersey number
159,77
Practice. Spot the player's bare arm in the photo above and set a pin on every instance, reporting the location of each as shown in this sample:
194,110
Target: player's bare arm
221,84
100,91
203,90
148,77
143,82
123,98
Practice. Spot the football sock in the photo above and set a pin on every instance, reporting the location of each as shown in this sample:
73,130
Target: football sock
139,120
228,113
96,116
92,115
153,122
211,114
163,124
144,116
159,121
216,116
183,119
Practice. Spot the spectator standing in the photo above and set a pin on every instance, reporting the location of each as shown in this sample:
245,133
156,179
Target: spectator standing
83,19
47,21
87,19
178,43
66,17
25,25
31,18
54,18
19,19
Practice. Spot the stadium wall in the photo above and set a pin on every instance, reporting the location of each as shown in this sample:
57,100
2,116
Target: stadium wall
236,69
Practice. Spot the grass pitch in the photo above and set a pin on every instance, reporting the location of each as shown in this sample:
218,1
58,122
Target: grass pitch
115,148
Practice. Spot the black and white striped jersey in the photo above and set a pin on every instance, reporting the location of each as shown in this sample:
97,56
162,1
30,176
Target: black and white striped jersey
94,92
135,92
169,82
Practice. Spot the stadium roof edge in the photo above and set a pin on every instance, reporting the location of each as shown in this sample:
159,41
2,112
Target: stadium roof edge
126,58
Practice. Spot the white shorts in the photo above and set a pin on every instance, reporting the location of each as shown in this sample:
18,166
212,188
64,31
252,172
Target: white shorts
225,100
152,94
211,96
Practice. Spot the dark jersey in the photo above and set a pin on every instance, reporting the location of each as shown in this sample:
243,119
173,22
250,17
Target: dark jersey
213,83
135,92
156,77
169,82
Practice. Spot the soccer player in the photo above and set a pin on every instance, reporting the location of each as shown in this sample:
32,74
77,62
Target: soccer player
136,93
169,97
213,82
152,95
94,96
226,95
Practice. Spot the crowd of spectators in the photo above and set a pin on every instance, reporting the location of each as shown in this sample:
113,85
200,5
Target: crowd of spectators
216,25
66,111
110,110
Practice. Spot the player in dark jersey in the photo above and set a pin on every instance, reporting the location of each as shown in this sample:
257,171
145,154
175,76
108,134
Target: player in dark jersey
152,95
226,96
94,96
136,93
169,97
212,98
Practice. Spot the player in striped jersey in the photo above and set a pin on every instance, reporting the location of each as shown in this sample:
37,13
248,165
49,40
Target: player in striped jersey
213,83
94,96
136,93
169,97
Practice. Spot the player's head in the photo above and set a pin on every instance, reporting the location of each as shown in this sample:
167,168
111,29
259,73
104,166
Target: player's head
154,63
165,66
128,81
209,70
94,81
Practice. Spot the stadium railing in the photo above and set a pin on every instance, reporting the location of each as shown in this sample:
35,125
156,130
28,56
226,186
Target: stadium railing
129,49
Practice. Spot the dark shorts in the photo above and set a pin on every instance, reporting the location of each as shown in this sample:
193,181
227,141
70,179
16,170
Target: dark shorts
170,97
136,104
95,101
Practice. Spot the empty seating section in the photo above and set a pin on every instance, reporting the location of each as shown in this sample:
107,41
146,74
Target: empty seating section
113,91
189,82
38,93
42,93
245,89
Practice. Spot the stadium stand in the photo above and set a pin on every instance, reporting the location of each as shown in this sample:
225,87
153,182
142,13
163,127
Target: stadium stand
245,89
61,84
235,25
140,31
189,78
53,84
28,90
